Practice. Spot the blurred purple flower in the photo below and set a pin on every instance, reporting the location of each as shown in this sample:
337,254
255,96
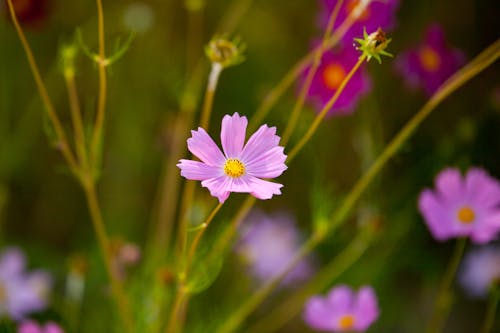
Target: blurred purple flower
342,310
30,326
462,207
378,14
431,62
480,270
239,168
268,243
333,69
21,292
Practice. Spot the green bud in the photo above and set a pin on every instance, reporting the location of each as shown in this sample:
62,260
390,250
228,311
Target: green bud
225,52
374,45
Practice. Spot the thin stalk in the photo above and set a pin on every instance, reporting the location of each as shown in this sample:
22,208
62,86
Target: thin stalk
319,118
101,102
63,143
76,118
293,304
104,246
444,298
489,320
177,307
299,104
275,94
213,79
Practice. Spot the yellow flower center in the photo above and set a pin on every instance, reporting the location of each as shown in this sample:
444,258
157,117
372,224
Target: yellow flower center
234,168
429,59
352,4
346,322
466,215
333,74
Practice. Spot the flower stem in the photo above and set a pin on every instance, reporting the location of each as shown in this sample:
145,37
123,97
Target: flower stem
443,301
104,246
213,79
317,121
275,94
294,117
489,320
101,103
63,143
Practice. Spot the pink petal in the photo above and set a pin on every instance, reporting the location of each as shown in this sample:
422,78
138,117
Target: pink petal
195,170
366,308
203,147
29,327
317,314
482,189
52,327
450,186
435,215
261,141
269,164
263,189
219,187
232,134
340,299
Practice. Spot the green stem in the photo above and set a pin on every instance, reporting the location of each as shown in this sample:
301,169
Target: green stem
443,301
294,117
489,320
319,118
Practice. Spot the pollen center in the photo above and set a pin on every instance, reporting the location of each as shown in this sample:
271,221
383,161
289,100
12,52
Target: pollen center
352,4
234,168
333,74
429,59
466,215
346,322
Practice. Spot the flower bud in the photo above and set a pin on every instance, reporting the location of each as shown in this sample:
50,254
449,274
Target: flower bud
374,45
225,52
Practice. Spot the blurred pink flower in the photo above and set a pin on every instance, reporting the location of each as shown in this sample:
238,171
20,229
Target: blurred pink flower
462,207
333,69
431,62
30,326
268,244
480,270
239,168
378,14
342,310
21,292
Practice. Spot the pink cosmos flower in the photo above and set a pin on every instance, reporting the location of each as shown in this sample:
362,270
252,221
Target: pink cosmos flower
378,14
461,207
480,270
239,167
21,292
30,326
268,243
342,310
431,62
333,69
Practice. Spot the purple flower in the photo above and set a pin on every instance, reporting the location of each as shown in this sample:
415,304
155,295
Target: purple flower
462,207
30,326
431,62
342,310
21,292
268,243
378,14
239,168
333,69
480,270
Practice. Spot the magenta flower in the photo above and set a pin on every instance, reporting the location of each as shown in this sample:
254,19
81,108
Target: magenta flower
431,62
461,207
333,69
239,168
480,270
342,310
268,243
30,326
378,14
20,292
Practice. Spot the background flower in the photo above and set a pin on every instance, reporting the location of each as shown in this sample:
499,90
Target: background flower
460,207
30,326
431,62
480,270
342,310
